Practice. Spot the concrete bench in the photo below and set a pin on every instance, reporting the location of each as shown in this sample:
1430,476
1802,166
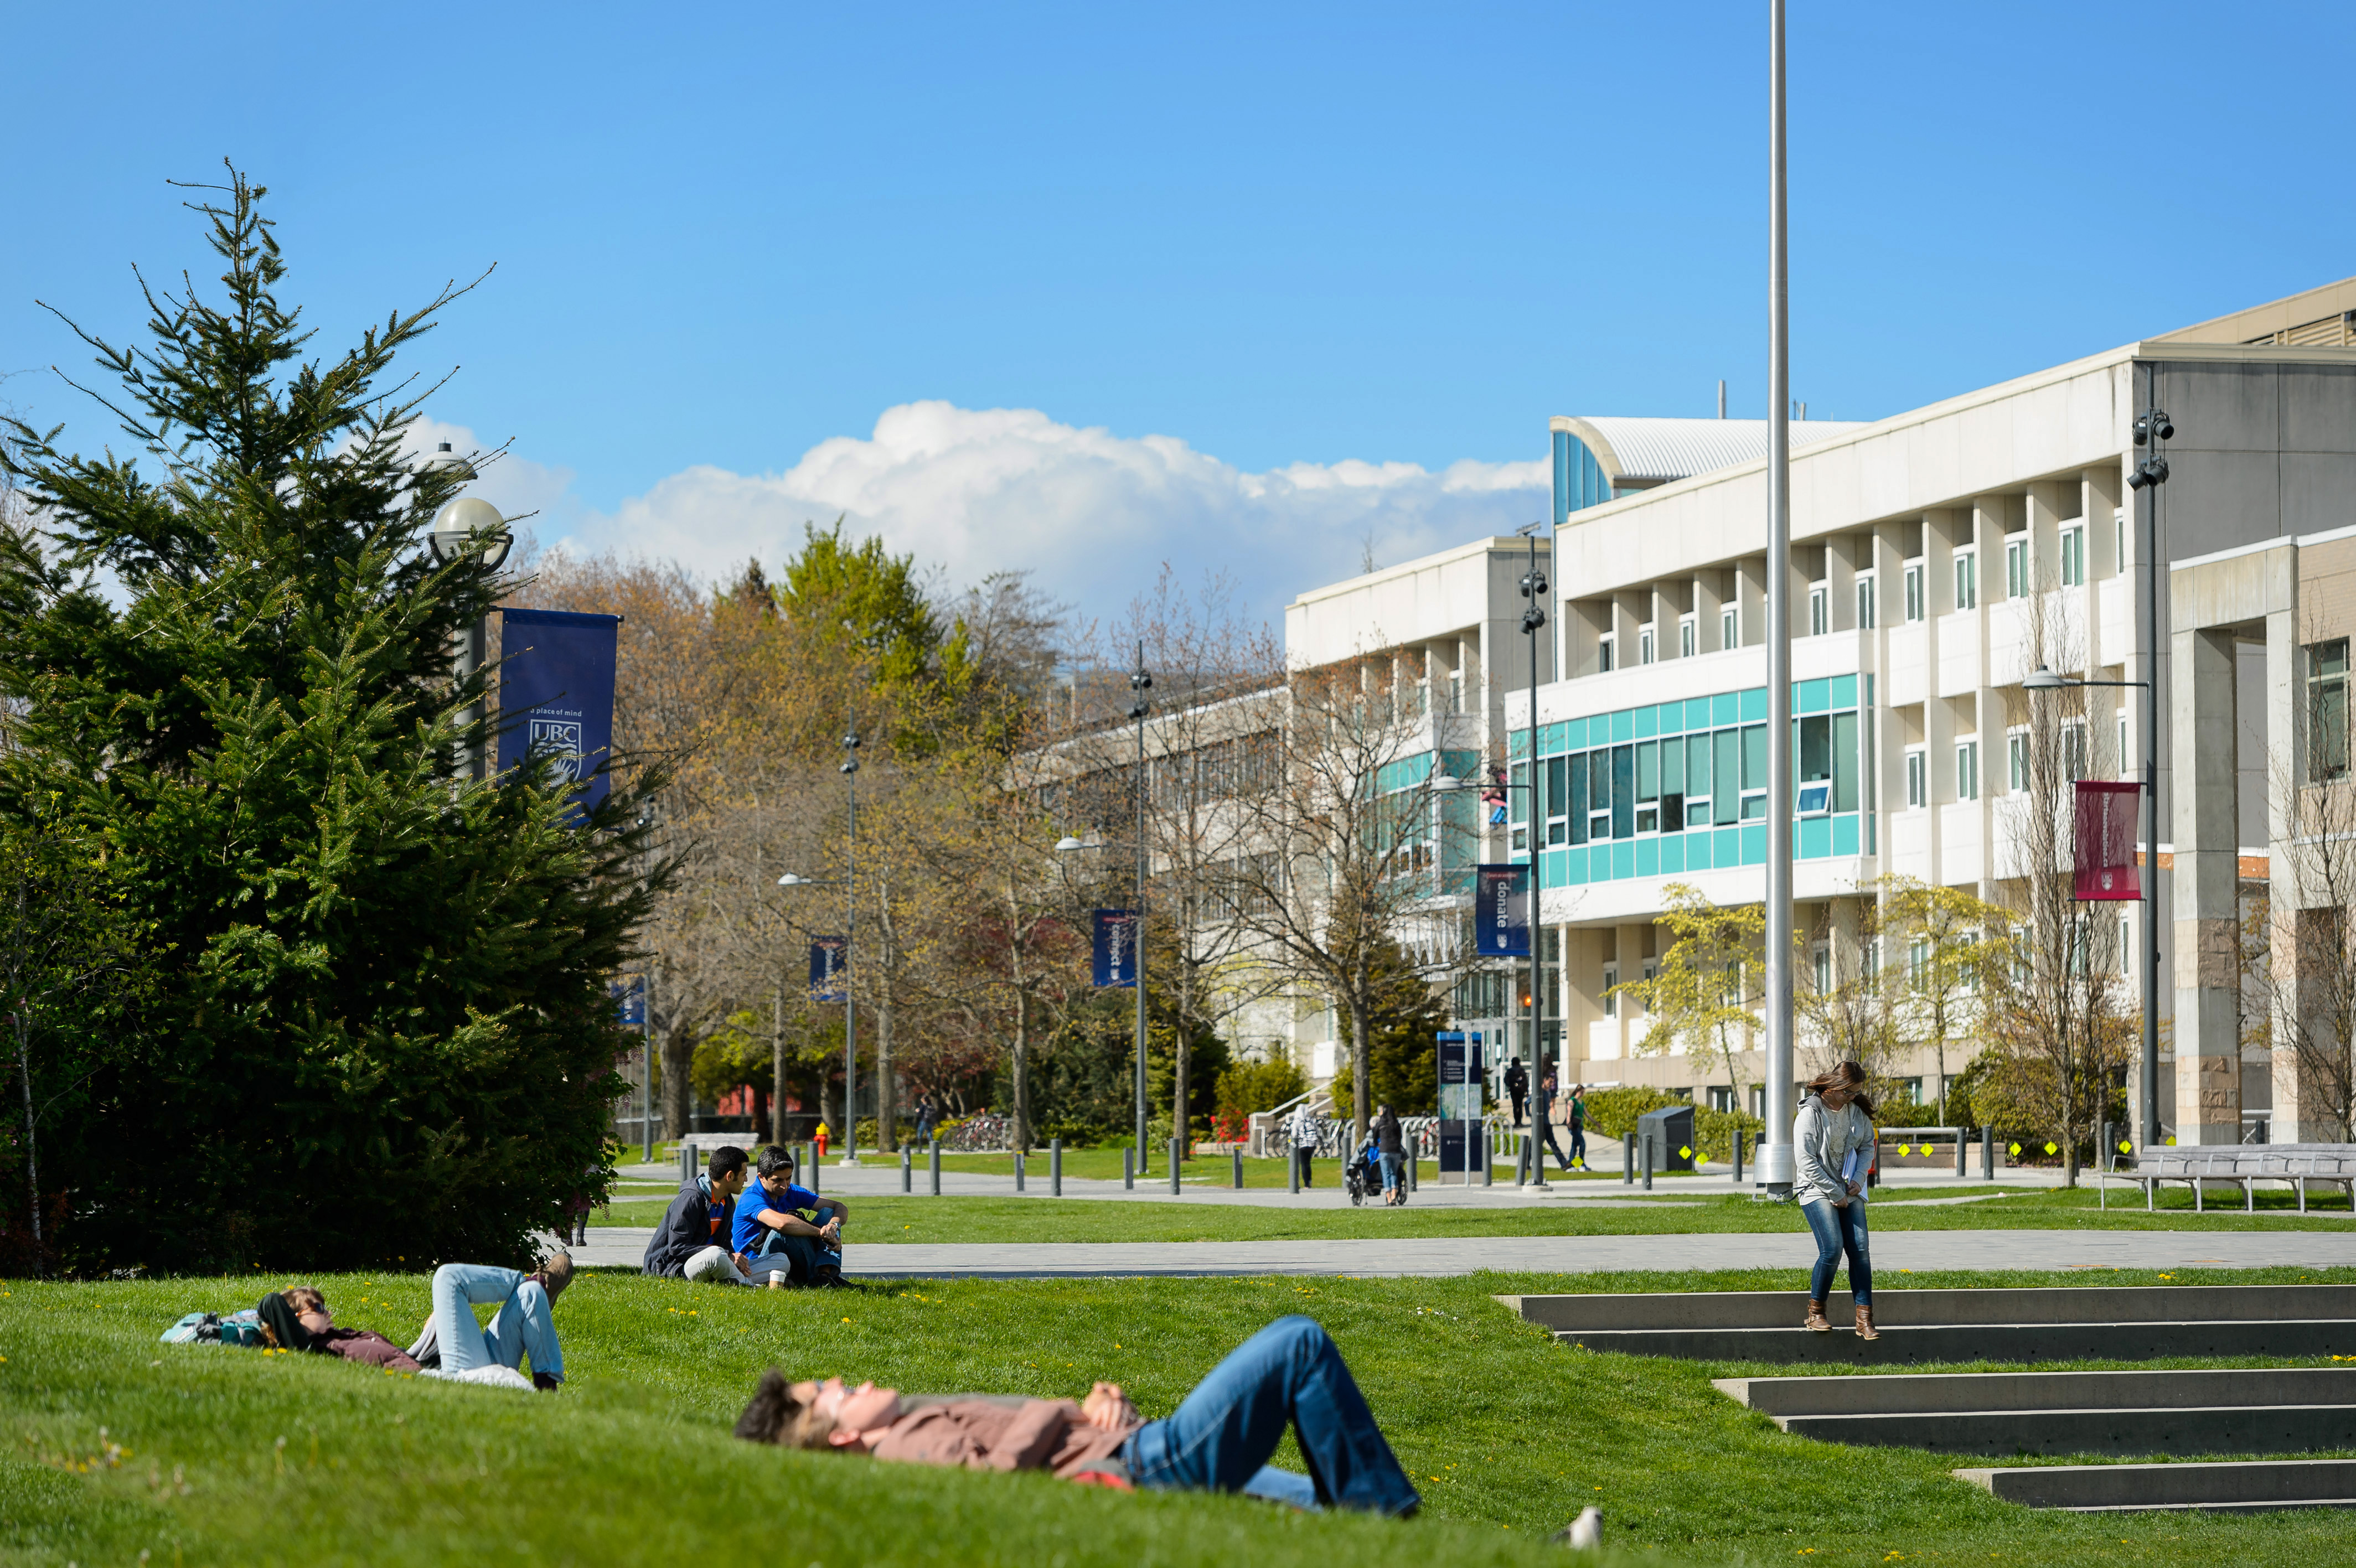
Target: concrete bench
2296,1165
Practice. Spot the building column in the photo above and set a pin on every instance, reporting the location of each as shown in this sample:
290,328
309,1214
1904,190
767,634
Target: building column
2298,919
2207,876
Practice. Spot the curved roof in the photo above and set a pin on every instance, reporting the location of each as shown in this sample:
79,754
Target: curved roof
1637,454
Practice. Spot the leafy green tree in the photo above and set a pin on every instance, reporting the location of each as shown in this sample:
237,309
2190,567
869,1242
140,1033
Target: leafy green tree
380,1029
1403,1023
1701,992
1947,942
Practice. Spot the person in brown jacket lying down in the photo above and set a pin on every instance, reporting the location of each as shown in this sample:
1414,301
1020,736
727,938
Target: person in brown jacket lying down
297,1319
1218,1439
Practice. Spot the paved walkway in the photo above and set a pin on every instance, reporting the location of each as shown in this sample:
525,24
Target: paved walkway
1436,1255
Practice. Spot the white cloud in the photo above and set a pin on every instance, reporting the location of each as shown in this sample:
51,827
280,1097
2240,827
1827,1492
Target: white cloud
1090,514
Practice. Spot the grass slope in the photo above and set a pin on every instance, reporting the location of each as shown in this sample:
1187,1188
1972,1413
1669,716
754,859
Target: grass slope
1041,1219
236,1456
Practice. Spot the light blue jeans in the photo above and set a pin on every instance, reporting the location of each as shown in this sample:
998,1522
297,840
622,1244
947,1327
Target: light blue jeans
1837,1230
1393,1171
520,1327
1220,1438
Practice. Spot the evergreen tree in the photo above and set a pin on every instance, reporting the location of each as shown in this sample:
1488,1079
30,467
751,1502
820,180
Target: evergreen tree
1405,1021
380,1030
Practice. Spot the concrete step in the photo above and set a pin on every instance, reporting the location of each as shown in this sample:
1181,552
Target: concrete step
1969,1393
1909,1308
1916,1346
2255,1486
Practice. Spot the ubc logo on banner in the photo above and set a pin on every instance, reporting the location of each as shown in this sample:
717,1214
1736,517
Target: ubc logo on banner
2104,860
1116,947
630,1002
1501,911
830,957
557,742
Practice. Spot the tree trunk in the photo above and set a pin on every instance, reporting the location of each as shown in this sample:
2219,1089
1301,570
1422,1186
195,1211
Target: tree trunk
1021,1069
777,1063
32,1160
887,1137
1361,1074
678,1090
1179,1098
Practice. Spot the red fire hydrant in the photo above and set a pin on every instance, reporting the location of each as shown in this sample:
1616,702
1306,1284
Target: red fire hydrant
821,1140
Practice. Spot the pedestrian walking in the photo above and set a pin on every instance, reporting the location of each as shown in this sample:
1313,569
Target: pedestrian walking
927,1119
1832,1144
1302,1128
1578,1126
1517,1085
1390,1148
1546,1099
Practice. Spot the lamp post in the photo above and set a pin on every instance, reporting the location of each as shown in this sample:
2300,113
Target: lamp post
2044,679
465,526
1141,681
849,884
1777,1167
2154,429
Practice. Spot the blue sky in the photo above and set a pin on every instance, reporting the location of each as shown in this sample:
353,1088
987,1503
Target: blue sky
1080,289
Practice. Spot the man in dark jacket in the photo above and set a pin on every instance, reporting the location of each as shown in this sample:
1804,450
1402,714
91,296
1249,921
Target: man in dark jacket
693,1241
1517,1084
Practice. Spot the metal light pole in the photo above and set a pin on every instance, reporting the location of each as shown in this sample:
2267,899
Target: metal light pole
647,1026
1777,1167
1534,619
2152,428
850,922
462,528
1141,682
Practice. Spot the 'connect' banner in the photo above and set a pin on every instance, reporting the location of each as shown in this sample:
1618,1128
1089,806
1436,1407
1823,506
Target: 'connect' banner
1501,912
556,694
1116,947
2105,858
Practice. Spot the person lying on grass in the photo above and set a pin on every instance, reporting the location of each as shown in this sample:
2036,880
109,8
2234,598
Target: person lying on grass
773,1237
695,1238
297,1318
1219,1438
455,1345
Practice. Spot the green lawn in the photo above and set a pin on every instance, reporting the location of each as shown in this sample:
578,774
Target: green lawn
1043,1219
235,1456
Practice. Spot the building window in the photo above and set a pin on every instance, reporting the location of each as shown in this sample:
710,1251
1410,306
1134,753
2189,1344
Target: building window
1967,579
1967,769
2073,556
1604,650
1754,773
1918,962
1688,637
2119,540
1730,629
2123,745
2073,751
2126,944
1918,777
2327,711
1822,958
1643,645
1913,590
1820,608
1721,1096
1611,979
1865,606
2016,760
2016,567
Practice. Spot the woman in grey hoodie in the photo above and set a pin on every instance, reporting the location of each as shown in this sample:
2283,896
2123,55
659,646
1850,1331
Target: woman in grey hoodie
1835,1121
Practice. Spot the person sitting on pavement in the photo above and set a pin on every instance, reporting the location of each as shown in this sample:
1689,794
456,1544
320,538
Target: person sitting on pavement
1220,1438
779,1229
453,1344
696,1237
296,1319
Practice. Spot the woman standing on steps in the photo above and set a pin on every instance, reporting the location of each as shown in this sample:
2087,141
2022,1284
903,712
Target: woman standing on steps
1832,1141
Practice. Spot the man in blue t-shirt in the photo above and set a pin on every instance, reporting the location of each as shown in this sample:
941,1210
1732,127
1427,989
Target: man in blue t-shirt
781,1227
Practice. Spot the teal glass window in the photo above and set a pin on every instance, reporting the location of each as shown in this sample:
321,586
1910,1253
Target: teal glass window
1558,791
1848,765
1726,789
1623,791
1579,798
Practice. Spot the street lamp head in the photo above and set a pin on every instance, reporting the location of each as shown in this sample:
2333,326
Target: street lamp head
1446,784
445,461
2043,680
790,880
1067,844
2150,471
469,525
1533,583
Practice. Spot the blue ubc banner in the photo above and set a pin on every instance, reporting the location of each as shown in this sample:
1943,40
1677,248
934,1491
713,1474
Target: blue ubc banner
1501,912
629,1001
1116,947
556,694
829,956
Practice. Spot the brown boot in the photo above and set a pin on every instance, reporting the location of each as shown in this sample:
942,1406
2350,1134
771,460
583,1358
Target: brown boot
1865,1328
1817,1322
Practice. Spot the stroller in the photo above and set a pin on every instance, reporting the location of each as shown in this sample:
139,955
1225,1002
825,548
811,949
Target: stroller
1363,1175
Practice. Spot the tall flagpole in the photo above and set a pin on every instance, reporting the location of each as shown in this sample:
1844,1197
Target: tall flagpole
1776,1168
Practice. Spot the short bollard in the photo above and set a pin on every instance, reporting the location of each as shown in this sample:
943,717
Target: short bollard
1238,1154
1055,1167
1018,1170
1488,1162
1738,1156
1627,1162
936,1163
2104,1149
908,1168
1174,1147
1648,1165
1963,1154
1522,1164
687,1171
1293,1169
813,1169
1987,1154
1128,1167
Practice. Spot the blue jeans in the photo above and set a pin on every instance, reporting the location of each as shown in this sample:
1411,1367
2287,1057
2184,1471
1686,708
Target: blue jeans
1839,1229
1579,1143
800,1256
1394,1171
520,1327
1221,1437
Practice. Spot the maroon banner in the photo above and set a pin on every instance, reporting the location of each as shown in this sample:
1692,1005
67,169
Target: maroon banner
2105,859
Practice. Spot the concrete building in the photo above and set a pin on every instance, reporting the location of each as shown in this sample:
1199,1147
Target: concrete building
1932,552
